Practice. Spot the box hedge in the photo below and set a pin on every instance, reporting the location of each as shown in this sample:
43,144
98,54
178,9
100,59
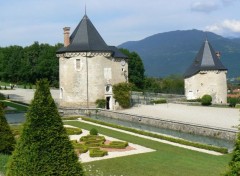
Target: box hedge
96,152
116,144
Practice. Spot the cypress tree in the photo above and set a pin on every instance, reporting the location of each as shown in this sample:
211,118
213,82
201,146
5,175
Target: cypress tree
44,147
234,165
7,140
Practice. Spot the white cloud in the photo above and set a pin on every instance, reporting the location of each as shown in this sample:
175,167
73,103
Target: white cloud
205,6
226,27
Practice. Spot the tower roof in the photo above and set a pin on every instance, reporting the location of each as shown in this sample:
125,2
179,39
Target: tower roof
85,38
206,59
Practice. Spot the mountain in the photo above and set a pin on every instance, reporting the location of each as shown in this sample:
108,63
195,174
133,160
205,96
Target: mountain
173,52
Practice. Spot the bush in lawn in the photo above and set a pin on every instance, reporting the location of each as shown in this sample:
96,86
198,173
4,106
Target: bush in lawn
234,165
7,140
101,103
96,152
44,147
93,131
206,100
73,131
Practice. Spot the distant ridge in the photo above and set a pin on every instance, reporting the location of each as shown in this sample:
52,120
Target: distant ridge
172,52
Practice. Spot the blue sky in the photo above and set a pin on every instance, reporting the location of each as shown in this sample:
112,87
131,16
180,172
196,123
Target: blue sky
24,21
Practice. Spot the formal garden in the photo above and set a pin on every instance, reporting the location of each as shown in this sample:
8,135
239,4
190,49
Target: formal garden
41,146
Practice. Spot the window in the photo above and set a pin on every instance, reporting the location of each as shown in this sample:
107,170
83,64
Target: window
78,64
107,73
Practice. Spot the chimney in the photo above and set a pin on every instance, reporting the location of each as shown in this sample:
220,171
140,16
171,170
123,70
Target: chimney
218,54
66,31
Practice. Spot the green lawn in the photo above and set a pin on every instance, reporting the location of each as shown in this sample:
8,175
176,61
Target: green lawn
166,161
18,106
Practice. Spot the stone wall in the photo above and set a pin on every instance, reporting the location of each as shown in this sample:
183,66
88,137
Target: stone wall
220,133
213,83
89,76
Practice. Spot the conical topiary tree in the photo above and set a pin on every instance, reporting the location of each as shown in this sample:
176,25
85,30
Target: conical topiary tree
44,147
7,140
234,165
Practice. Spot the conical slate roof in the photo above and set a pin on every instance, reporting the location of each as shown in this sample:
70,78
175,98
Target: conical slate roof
85,38
206,59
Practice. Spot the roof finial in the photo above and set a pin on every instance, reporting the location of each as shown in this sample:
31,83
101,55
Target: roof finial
85,9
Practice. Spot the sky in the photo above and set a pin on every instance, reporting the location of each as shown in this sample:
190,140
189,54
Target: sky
22,22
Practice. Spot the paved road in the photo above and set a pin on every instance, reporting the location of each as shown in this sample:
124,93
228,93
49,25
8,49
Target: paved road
211,116
26,95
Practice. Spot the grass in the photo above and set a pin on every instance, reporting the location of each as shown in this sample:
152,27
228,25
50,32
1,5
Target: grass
17,106
166,161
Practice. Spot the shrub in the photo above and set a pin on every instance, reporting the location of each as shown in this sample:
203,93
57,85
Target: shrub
44,147
81,148
234,165
122,94
96,152
2,96
5,88
159,101
7,141
92,138
93,131
233,101
25,86
206,100
116,144
101,103
73,131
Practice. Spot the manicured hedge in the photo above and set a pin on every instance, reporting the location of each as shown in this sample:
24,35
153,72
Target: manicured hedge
116,144
92,138
73,131
96,152
81,148
158,136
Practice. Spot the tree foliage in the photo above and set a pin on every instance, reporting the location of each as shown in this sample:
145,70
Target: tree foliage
7,140
121,92
43,147
234,165
172,84
135,69
28,64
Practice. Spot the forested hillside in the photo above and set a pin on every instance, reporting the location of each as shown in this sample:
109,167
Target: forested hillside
172,52
28,64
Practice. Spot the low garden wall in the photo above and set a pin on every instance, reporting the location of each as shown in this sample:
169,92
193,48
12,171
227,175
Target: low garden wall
197,129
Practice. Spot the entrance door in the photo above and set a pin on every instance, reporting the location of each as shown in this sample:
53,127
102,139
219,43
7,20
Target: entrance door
108,102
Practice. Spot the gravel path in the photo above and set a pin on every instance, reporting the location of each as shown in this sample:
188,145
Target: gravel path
210,116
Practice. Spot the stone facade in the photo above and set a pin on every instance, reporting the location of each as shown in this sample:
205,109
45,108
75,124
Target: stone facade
213,83
85,79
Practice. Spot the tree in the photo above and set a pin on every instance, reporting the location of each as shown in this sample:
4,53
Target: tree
121,92
206,100
7,140
44,147
234,165
135,69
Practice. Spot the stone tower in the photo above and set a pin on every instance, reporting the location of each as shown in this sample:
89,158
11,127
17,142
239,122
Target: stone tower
206,75
88,68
